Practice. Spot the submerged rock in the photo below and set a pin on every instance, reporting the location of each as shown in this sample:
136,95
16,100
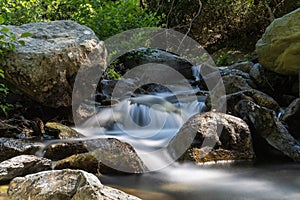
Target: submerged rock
279,48
22,165
106,156
63,184
45,68
268,130
14,147
213,137
292,118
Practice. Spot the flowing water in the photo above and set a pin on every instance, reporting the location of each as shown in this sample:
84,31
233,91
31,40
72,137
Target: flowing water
149,128
227,181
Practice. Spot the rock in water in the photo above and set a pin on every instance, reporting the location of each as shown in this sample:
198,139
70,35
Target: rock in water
22,165
14,147
45,68
61,131
213,137
107,156
279,48
63,184
268,129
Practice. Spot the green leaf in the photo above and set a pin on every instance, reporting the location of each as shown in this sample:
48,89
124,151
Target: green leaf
13,38
4,30
22,42
1,19
26,34
3,62
2,75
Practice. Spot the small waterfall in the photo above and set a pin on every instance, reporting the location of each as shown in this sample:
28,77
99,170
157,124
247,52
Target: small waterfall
146,122
196,72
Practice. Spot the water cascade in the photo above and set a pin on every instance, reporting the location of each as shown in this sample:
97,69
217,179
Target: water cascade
147,122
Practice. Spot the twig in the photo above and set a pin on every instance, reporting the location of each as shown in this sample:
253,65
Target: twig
191,23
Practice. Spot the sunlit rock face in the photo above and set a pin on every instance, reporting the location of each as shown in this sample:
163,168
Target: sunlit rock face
63,184
279,48
213,137
46,67
22,165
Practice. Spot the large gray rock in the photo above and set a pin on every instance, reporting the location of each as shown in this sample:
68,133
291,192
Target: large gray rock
22,165
14,147
45,68
279,48
268,130
213,136
63,184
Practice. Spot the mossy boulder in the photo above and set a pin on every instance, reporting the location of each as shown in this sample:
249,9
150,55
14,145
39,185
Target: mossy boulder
279,48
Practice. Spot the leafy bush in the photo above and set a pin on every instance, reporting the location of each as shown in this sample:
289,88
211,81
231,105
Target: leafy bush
8,42
222,23
106,18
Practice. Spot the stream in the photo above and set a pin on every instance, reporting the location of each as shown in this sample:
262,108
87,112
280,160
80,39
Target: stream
149,129
215,182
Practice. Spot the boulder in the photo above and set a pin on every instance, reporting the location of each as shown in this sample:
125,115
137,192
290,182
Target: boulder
61,131
255,96
106,156
268,131
274,84
22,165
234,83
145,55
19,127
63,184
279,48
14,147
292,118
63,149
213,137
242,66
45,68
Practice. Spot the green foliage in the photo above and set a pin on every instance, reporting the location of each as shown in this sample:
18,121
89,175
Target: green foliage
222,23
106,17
118,16
222,59
8,42
112,74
